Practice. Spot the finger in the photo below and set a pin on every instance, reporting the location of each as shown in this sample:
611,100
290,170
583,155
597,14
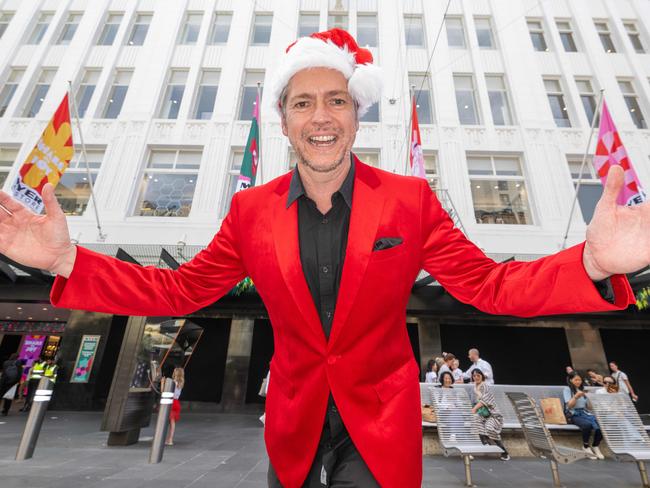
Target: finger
613,185
52,207
10,203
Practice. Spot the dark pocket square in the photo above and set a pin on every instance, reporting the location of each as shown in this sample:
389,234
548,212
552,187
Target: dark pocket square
386,243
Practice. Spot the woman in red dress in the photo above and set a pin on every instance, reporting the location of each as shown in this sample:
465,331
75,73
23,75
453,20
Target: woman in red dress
178,376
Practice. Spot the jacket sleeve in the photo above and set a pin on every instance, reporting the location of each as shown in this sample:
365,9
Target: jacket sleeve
555,284
101,283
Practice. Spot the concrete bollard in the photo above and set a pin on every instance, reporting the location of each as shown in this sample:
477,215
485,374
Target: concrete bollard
166,400
35,420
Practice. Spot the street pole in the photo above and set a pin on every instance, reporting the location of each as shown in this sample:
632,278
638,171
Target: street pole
166,400
35,419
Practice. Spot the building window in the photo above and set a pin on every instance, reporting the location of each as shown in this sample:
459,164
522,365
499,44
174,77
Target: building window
9,89
39,93
168,183
112,25
69,28
367,30
236,160
466,100
73,190
455,32
431,170
590,187
171,102
191,28
588,98
370,157
5,19
499,100
40,28
86,90
605,36
220,28
484,34
337,20
140,29
117,94
556,101
498,190
308,23
422,94
7,158
372,115
414,31
249,94
537,35
632,102
206,95
634,35
566,35
262,29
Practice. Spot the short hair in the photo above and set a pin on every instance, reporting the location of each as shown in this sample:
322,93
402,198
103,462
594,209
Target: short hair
442,377
474,350
449,357
614,362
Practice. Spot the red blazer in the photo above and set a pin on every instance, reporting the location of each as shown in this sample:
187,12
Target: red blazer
380,405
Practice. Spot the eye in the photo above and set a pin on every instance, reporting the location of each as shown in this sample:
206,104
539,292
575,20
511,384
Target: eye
339,101
302,104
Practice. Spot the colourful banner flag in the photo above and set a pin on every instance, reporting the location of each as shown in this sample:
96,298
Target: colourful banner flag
47,161
248,170
609,151
416,157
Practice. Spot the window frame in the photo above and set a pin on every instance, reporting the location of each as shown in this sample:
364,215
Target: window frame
635,33
61,41
605,34
567,31
474,93
106,32
78,167
493,42
505,91
459,19
136,25
537,31
214,27
256,25
559,93
183,38
422,27
40,28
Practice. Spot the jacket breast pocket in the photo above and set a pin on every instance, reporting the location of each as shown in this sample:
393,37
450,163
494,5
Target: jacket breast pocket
279,380
385,254
395,382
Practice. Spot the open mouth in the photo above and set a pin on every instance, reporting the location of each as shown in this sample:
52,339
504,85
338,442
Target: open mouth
322,141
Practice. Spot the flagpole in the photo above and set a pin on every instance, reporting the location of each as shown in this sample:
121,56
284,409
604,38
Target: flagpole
582,166
259,130
101,237
410,129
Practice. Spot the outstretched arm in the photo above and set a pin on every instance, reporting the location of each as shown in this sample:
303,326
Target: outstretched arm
555,284
90,281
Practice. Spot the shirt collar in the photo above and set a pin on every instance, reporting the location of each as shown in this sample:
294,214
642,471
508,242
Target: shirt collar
296,189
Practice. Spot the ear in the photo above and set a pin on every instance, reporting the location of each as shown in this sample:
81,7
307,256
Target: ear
283,122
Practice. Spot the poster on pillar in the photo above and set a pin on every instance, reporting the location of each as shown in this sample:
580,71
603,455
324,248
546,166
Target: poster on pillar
83,366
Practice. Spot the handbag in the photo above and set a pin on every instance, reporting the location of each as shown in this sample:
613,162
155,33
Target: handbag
483,411
11,392
262,392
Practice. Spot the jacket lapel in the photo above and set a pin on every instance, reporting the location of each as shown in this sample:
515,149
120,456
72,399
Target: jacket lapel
287,249
367,207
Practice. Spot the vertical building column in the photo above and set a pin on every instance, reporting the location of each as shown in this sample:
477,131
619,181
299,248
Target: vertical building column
237,362
585,346
430,342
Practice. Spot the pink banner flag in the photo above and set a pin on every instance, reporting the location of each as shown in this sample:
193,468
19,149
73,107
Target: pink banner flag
609,151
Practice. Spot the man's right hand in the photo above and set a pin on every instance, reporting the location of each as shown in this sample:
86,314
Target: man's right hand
38,241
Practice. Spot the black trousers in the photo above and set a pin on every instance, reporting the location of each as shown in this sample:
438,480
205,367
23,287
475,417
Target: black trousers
338,464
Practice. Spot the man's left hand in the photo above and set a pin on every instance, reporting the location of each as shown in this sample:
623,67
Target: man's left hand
618,237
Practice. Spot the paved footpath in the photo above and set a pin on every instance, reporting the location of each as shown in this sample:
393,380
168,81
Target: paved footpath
227,451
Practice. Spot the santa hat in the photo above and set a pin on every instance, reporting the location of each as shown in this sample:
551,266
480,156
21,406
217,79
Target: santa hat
334,49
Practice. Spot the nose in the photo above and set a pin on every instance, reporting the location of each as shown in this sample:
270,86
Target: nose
321,114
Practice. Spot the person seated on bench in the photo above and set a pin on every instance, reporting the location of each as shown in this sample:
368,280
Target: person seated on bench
489,420
577,413
446,380
609,386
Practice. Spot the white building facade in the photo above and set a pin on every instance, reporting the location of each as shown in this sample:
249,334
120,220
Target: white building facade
506,92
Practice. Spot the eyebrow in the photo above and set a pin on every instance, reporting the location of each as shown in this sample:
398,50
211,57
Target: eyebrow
310,96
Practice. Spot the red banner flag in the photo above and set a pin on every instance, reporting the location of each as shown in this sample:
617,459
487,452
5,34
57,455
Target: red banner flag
416,157
47,161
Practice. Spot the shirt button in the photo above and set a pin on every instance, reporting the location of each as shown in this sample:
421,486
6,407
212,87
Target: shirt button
329,315
326,269
325,220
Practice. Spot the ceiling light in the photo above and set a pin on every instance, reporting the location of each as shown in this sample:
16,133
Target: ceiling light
19,308
44,308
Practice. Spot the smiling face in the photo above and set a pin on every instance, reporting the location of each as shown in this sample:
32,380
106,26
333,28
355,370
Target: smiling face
577,381
319,118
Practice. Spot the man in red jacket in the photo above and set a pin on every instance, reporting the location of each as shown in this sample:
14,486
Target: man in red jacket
334,249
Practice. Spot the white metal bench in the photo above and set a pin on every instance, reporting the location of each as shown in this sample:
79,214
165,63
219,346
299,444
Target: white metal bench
456,427
622,429
539,439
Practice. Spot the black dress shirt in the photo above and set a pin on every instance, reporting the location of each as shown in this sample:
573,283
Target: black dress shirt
323,241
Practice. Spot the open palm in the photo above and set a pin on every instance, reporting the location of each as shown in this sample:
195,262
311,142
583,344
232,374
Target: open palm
38,241
618,237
